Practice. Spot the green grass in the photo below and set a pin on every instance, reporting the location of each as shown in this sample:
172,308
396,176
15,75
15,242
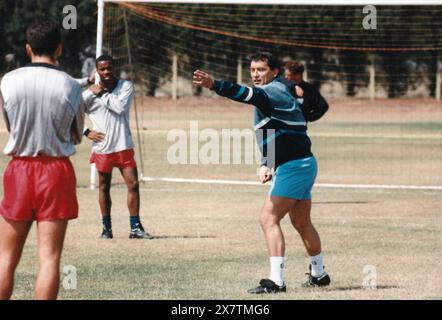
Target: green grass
210,245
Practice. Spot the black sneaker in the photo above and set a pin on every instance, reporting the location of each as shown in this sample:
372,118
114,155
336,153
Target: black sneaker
106,234
321,281
267,286
139,233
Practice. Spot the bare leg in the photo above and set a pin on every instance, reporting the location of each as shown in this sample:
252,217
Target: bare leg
50,246
300,218
104,198
274,209
130,176
13,236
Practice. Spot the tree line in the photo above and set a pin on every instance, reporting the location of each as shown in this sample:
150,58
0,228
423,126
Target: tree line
152,43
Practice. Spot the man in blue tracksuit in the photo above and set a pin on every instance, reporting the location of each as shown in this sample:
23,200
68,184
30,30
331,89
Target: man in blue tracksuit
279,121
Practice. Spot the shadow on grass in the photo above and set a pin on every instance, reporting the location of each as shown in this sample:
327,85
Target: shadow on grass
344,202
349,288
183,237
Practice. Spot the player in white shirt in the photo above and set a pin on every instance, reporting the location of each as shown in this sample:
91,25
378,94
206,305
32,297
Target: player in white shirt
107,105
44,114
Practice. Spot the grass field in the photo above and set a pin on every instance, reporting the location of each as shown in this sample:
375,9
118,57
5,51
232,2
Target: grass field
208,241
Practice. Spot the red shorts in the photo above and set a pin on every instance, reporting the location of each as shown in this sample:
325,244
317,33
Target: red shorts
39,188
106,162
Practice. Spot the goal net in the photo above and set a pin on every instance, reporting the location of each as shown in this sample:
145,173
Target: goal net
378,67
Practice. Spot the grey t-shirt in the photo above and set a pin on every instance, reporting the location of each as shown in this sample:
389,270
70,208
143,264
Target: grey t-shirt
43,110
109,114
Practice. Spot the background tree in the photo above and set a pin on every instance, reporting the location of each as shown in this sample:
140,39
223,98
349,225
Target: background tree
16,16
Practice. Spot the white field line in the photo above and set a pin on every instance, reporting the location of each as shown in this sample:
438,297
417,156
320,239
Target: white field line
319,185
376,135
380,135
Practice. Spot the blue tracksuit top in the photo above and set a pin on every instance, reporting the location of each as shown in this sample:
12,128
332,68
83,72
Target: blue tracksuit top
279,122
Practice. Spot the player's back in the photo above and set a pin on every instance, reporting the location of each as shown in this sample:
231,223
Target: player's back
42,106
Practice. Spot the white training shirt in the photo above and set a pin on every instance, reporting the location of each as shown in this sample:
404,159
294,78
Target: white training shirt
109,114
43,110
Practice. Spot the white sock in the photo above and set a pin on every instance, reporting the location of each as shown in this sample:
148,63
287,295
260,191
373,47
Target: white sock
277,270
317,265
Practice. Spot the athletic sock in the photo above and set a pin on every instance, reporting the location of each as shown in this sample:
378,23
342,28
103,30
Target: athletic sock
277,270
317,265
134,222
107,223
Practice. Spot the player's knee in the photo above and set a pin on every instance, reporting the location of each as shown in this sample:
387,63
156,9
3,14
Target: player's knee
268,220
49,259
105,187
301,225
133,186
8,264
295,222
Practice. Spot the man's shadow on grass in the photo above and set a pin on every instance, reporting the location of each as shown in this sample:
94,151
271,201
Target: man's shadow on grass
344,202
182,237
350,288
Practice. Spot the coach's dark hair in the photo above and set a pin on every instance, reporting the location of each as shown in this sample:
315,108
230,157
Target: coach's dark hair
294,66
44,36
271,60
104,57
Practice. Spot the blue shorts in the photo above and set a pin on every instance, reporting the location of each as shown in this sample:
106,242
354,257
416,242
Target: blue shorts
295,179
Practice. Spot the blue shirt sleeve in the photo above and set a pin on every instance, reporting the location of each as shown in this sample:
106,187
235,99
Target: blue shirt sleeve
244,94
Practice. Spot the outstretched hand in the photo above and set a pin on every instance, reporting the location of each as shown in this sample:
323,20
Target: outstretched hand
202,79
